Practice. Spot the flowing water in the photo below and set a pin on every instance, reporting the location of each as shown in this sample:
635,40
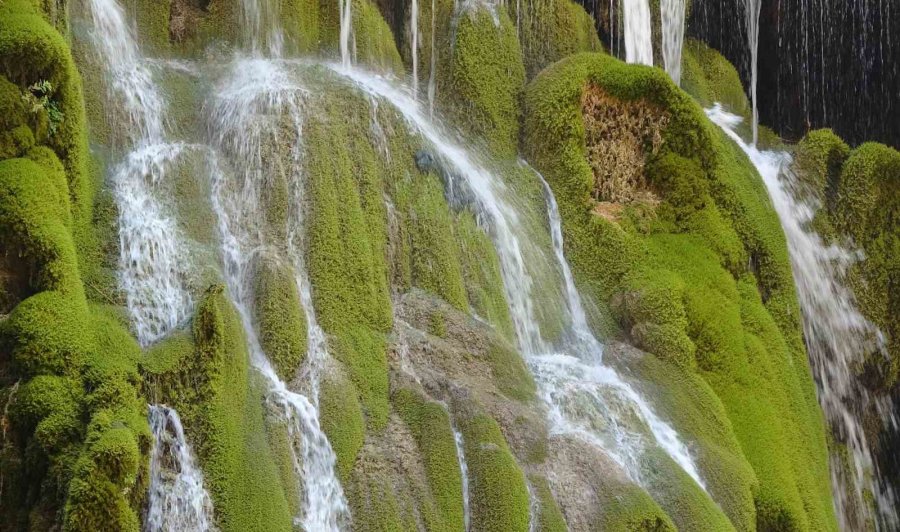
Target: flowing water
751,14
569,371
464,475
414,43
346,13
177,500
837,337
672,24
152,262
257,102
638,31
432,72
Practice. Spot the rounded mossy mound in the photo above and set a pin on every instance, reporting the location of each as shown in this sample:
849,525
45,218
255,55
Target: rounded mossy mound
205,374
694,264
498,492
550,30
710,78
485,76
280,318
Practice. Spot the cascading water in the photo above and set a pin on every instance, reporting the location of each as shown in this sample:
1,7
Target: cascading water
573,364
836,334
464,475
152,263
414,43
346,18
638,31
751,14
672,23
432,72
177,501
244,124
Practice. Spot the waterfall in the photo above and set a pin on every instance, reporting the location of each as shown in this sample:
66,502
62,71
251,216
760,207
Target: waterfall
152,263
638,31
534,509
464,475
672,23
177,500
751,13
573,366
346,13
414,43
244,123
836,335
432,72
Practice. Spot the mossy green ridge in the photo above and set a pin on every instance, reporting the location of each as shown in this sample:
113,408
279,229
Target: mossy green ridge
550,517
347,247
342,420
76,436
484,79
701,279
632,510
442,507
550,30
206,376
498,493
859,190
710,78
281,321
371,41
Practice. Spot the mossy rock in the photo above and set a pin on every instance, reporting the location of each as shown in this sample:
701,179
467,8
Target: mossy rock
680,280
498,492
280,318
710,78
550,30
342,420
371,40
429,423
484,80
550,517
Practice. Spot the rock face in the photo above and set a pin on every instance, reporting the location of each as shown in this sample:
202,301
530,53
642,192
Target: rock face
369,282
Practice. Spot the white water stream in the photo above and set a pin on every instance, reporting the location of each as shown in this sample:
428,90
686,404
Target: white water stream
569,371
751,15
672,24
152,263
464,475
837,335
178,501
246,126
638,31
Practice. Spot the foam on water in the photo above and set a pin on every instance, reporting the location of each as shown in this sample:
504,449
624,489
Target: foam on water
177,501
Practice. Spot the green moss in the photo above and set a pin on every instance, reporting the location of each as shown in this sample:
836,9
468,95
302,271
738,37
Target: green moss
430,425
221,405
347,249
550,517
552,29
435,257
342,421
374,503
485,79
632,510
481,274
710,78
498,493
818,159
681,281
371,41
509,372
281,321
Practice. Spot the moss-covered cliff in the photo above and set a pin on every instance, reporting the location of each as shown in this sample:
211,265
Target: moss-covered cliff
667,226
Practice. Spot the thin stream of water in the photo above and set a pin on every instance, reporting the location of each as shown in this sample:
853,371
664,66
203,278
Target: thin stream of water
837,336
638,31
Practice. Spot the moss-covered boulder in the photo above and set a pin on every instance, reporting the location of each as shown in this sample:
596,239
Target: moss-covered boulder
550,30
371,41
696,270
483,85
280,318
